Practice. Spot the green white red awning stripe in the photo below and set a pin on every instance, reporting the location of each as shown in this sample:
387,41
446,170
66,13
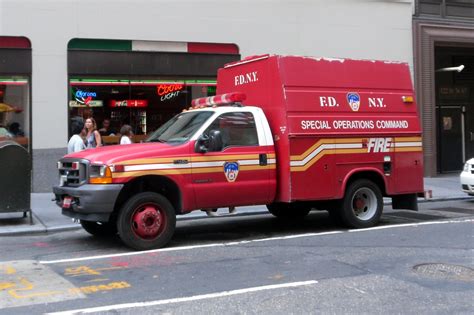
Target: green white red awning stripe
13,81
82,82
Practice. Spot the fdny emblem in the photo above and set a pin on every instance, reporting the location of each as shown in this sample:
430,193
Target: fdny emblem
354,101
231,170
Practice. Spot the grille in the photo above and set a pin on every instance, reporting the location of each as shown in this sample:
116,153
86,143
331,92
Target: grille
72,173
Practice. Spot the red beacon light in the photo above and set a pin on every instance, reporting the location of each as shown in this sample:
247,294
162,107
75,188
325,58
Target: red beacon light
222,99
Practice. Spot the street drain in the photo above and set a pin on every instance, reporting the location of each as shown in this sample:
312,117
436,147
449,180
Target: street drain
445,271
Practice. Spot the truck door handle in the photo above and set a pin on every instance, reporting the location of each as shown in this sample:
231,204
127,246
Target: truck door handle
263,159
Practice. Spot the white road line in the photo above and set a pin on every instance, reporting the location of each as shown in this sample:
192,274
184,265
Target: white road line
171,249
186,299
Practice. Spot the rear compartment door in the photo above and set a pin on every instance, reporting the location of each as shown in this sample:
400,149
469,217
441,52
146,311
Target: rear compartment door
312,168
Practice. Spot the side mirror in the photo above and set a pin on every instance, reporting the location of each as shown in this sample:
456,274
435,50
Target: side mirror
209,143
215,141
202,144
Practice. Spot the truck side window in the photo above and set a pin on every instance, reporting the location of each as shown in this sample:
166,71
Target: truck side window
237,129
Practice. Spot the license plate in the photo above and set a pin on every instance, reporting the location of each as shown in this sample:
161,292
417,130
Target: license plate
67,202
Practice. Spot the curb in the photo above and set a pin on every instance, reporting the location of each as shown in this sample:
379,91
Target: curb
41,228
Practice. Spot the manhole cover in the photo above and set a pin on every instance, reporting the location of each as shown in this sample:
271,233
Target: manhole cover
445,271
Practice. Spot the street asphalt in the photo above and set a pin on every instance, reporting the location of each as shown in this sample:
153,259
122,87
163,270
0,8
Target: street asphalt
47,217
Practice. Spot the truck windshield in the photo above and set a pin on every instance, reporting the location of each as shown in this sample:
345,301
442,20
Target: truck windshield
180,128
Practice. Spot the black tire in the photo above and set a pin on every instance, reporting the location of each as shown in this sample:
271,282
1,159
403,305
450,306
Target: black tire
101,229
288,210
146,221
362,204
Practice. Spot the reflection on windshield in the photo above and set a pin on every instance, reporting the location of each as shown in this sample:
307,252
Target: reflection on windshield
180,128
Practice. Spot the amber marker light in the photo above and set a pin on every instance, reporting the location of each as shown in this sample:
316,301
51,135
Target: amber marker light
104,176
407,99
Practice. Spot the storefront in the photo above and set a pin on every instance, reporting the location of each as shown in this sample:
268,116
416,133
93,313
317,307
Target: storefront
110,81
15,73
143,104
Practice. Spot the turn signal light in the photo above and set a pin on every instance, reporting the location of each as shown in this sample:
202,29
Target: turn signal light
407,99
105,178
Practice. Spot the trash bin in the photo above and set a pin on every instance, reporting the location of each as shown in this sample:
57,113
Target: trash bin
15,179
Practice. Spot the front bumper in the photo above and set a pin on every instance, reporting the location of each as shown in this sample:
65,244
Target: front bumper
89,202
467,182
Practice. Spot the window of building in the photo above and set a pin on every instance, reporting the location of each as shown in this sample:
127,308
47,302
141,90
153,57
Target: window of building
14,109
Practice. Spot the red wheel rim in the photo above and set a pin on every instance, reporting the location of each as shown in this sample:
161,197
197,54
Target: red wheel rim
148,221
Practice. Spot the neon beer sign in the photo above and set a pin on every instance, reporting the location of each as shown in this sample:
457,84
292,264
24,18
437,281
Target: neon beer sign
84,97
168,91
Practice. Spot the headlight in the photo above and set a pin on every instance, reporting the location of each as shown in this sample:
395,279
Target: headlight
466,167
100,174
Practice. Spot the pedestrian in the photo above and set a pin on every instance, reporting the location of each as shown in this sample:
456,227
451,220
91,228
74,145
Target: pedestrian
93,138
76,143
106,130
126,132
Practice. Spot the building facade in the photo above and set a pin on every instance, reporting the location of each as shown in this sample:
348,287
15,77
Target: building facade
444,75
139,62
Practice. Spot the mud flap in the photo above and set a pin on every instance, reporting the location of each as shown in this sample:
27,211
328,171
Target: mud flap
406,202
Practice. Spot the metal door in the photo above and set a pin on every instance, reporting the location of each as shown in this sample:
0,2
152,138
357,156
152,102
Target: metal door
450,138
469,131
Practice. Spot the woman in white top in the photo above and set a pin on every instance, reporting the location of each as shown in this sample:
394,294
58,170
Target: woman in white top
126,132
76,143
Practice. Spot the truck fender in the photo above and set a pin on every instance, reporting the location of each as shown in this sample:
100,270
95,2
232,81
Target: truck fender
370,173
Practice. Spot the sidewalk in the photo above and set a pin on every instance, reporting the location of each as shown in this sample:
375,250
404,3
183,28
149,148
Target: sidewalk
47,217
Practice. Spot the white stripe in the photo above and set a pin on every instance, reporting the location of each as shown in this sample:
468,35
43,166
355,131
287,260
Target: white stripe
407,144
251,241
188,298
149,167
323,147
143,45
245,61
172,249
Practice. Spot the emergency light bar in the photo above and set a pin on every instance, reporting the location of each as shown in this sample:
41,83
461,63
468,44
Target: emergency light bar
216,100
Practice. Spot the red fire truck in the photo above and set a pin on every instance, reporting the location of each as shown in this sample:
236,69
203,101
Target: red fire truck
292,133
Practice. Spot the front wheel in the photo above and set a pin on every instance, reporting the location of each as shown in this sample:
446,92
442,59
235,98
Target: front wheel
101,229
362,204
146,221
288,210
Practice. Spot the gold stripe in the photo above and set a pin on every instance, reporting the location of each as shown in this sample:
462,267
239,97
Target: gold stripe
183,171
324,141
314,160
224,158
151,172
257,167
407,139
194,159
409,149
151,161
349,151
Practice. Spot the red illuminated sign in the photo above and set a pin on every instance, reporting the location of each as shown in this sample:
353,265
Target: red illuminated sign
164,89
128,103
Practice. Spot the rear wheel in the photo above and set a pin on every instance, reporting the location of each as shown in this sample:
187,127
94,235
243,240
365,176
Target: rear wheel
362,204
146,221
288,210
101,229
